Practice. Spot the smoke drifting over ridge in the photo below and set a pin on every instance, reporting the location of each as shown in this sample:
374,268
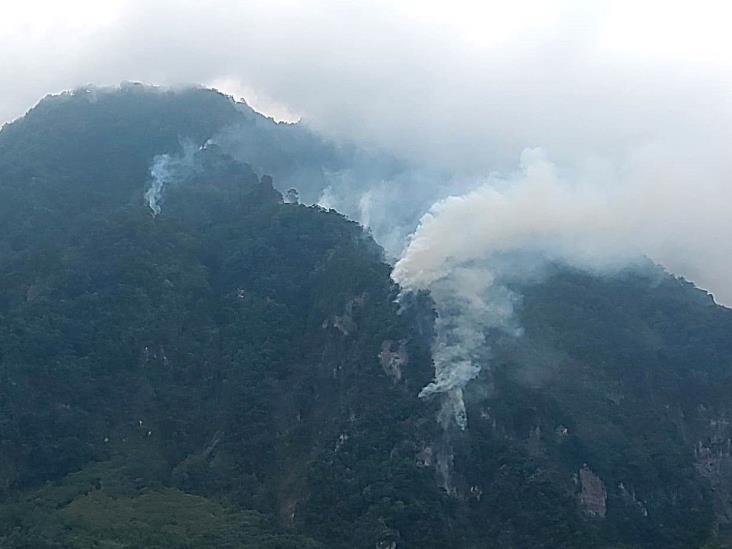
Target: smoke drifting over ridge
649,126
663,208
469,248
533,210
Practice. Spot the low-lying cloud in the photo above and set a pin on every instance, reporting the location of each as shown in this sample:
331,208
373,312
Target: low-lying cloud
629,103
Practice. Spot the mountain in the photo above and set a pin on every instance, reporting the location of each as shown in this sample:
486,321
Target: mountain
236,371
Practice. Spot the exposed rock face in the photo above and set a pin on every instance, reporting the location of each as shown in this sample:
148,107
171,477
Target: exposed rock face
425,457
344,323
712,457
392,360
629,496
593,494
713,461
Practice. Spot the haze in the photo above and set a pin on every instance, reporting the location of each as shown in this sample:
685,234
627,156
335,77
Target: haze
623,98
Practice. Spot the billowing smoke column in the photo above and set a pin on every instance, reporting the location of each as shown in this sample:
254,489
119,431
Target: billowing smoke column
468,249
167,169
469,302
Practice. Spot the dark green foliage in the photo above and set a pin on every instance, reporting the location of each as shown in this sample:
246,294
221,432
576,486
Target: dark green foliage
102,507
215,377
609,360
226,345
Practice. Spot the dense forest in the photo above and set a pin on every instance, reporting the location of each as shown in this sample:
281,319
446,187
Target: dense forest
236,371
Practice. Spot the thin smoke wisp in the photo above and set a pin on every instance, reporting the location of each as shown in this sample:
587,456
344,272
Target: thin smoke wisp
165,170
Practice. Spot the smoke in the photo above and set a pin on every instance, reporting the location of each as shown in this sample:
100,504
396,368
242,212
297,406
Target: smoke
659,199
469,302
469,250
532,209
161,174
166,170
388,201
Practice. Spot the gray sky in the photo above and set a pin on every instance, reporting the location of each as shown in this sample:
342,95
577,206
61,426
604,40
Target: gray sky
460,81
629,95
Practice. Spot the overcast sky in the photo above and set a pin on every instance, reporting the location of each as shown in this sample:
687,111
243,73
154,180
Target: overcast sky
471,82
633,94
515,73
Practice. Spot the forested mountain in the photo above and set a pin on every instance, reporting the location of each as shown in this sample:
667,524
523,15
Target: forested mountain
237,372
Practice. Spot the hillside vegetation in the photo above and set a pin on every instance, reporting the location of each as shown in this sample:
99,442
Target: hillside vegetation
236,372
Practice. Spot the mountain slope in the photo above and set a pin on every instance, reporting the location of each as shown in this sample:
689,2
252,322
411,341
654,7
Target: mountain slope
235,371
619,392
225,344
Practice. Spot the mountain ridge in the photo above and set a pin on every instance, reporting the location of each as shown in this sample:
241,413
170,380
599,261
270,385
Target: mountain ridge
246,358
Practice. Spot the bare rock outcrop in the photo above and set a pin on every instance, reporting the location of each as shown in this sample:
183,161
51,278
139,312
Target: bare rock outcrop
593,494
392,357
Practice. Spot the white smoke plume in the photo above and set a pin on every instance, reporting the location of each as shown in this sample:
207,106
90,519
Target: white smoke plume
469,302
161,174
468,249
165,170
